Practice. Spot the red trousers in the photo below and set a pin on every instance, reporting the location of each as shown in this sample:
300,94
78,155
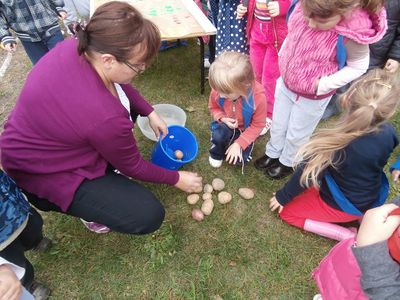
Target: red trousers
309,205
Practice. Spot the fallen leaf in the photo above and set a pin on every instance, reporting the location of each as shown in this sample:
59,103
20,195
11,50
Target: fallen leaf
190,109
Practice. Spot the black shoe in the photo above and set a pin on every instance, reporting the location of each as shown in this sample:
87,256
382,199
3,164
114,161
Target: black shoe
44,245
265,162
39,291
279,171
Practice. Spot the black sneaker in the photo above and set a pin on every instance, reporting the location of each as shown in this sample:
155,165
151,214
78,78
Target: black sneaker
44,245
265,162
39,291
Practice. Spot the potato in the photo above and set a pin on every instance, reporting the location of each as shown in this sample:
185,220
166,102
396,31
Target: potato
224,197
178,154
246,193
218,184
207,196
197,214
207,207
208,188
192,199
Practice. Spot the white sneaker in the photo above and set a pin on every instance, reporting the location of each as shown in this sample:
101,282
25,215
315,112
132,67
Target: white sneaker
268,124
206,63
214,162
317,297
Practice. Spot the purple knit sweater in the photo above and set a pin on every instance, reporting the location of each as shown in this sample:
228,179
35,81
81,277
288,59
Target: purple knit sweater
66,127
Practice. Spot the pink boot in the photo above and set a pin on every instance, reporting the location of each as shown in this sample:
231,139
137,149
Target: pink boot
329,230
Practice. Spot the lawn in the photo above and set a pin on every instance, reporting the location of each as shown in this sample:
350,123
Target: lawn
241,251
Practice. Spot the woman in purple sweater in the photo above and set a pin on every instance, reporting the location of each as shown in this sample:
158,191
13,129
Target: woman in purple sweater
72,127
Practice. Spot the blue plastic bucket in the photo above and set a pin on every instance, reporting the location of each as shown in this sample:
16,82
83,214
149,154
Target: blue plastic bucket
178,138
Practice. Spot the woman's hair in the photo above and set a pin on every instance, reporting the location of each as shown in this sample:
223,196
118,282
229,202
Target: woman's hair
329,8
230,73
117,28
368,103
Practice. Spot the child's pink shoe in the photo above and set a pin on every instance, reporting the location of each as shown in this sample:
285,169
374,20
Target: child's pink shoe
96,227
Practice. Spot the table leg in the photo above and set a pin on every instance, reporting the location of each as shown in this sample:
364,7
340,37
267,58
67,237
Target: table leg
202,69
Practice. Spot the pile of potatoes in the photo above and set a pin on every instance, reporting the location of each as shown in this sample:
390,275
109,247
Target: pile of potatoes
208,204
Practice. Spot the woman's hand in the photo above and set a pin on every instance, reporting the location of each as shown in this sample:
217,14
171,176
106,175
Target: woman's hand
392,65
230,122
376,226
10,286
274,204
396,175
273,8
157,125
233,153
189,182
240,11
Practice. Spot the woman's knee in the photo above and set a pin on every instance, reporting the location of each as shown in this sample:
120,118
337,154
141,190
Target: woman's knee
149,219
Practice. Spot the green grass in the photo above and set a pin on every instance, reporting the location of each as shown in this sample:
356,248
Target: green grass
241,251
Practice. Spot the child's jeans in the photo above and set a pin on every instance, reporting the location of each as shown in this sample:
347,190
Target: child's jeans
294,120
264,56
36,50
222,137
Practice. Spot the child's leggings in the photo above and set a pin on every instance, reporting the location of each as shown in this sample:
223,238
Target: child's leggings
264,57
309,205
295,119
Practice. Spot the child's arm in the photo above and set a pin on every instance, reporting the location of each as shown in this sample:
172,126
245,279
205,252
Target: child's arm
291,189
356,64
241,10
393,55
380,277
7,41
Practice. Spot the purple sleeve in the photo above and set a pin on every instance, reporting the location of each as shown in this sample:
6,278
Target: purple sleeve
137,102
114,140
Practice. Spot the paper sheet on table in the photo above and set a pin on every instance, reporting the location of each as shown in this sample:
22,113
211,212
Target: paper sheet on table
174,18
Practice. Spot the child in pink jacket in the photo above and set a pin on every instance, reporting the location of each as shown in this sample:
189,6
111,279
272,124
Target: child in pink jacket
266,29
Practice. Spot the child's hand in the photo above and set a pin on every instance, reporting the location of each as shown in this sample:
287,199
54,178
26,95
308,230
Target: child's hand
233,153
392,65
10,47
10,286
274,204
241,11
273,8
396,175
376,226
230,122
63,15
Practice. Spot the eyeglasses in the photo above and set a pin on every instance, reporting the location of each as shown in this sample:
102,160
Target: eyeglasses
138,69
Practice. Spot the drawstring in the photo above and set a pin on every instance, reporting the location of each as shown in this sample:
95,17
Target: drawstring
241,151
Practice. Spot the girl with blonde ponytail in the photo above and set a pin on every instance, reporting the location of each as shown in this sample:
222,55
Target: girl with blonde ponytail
341,175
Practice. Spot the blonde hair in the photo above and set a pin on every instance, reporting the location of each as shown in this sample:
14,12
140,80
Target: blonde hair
329,8
368,103
231,73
